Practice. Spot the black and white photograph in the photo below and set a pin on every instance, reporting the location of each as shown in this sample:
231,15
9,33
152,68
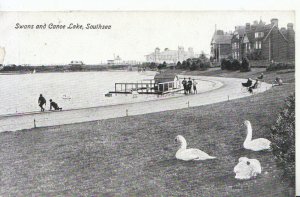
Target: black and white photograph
147,103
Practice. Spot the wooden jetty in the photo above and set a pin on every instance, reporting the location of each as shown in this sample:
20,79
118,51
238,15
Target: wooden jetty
161,84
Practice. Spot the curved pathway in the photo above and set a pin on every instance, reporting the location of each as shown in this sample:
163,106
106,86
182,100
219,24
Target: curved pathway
223,89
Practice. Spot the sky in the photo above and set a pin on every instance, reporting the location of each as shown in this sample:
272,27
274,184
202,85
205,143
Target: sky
132,35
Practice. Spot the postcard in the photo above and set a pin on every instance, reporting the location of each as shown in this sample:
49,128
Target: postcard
147,103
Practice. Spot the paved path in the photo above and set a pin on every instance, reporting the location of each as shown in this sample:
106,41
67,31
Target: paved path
225,88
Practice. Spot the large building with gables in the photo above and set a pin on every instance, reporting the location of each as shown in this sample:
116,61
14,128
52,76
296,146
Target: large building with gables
257,41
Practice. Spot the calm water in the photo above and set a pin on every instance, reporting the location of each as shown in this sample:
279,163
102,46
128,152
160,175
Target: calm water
19,93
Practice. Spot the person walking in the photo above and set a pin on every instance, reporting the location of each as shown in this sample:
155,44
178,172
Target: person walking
195,86
54,105
41,102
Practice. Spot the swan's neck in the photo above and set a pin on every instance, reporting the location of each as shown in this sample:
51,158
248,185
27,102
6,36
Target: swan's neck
249,133
183,145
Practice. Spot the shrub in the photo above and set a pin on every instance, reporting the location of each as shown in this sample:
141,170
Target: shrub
280,66
235,65
205,65
245,67
225,64
283,139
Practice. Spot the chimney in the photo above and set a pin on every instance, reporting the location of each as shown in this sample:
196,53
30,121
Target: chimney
290,26
220,32
247,26
274,21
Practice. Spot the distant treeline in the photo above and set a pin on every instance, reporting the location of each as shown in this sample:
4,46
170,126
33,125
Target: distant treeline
61,68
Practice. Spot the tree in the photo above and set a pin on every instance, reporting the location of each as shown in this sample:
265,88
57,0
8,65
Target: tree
178,65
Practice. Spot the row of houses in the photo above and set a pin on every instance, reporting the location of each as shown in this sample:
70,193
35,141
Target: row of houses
257,41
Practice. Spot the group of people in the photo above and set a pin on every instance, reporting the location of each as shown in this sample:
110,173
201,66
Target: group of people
42,102
248,84
187,86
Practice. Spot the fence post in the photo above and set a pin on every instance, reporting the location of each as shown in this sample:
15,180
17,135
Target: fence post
228,97
34,124
126,112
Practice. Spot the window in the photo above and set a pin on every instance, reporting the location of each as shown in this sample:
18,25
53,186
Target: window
259,34
257,45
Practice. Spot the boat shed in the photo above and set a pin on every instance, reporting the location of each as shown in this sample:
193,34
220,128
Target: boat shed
165,81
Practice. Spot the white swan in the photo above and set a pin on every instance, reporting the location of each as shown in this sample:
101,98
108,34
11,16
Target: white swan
257,144
189,154
247,168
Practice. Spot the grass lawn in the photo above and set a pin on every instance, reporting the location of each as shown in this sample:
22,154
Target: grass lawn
135,155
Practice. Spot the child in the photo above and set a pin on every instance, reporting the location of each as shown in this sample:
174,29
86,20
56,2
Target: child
195,86
54,105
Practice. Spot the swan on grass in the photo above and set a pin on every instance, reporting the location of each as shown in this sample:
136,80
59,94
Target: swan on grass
256,144
189,154
247,168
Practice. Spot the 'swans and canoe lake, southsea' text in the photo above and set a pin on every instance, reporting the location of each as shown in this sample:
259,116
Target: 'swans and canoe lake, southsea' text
54,26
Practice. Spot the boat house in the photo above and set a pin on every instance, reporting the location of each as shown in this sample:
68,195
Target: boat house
163,83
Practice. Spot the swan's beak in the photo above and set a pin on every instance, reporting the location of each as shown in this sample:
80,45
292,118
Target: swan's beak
176,140
242,124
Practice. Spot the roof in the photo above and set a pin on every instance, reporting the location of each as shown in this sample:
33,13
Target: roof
271,31
241,30
165,75
222,39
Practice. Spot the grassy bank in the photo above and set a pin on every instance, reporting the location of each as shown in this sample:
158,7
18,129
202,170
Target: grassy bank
136,154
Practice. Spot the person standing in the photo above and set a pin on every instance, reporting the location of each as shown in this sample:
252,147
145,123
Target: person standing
41,102
184,83
195,86
190,84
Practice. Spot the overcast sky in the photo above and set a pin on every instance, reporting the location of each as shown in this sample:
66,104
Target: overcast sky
132,34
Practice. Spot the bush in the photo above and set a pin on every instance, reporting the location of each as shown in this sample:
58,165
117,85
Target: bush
283,139
280,66
235,65
227,64
245,67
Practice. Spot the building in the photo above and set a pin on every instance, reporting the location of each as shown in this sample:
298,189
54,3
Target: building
116,61
165,81
220,45
261,41
170,56
257,41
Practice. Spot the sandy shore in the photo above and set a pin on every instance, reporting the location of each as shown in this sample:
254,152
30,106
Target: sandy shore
224,89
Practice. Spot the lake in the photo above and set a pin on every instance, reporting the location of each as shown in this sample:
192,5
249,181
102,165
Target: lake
71,90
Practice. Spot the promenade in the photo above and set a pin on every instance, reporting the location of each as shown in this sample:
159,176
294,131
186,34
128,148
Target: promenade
224,89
